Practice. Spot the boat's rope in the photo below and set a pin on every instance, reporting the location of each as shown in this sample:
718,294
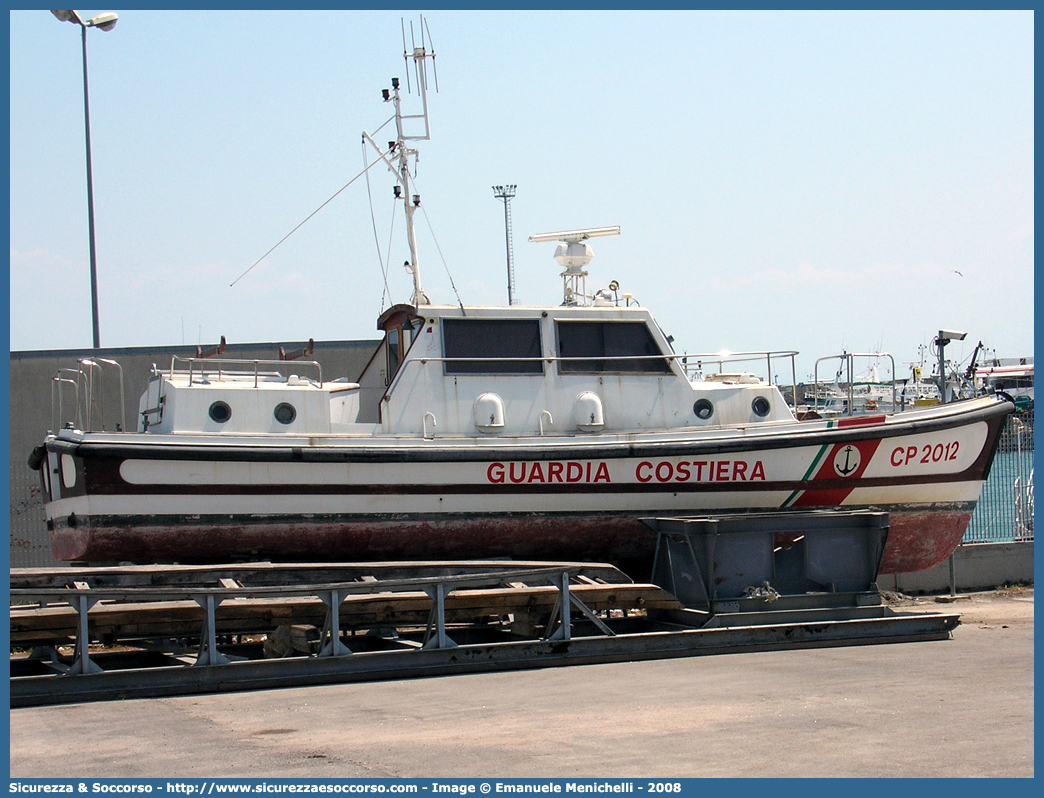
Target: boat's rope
373,223
445,265
309,216
391,235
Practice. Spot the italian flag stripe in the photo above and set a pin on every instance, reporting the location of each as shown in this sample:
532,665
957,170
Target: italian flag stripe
811,469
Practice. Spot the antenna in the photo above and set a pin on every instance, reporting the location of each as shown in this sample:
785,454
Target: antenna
405,52
505,194
574,255
426,44
575,236
434,70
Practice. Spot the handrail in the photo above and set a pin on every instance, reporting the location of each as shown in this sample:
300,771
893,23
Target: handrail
717,357
58,379
712,358
541,359
89,403
88,377
550,419
847,358
254,362
740,357
96,361
56,383
721,358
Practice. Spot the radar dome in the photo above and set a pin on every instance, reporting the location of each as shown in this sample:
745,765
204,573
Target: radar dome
573,256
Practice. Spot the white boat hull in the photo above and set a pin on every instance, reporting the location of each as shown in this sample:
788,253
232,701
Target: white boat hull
136,497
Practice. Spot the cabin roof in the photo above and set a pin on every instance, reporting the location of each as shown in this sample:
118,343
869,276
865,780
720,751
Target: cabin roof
528,311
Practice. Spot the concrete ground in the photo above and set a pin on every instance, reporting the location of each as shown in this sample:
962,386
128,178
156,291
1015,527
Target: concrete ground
955,708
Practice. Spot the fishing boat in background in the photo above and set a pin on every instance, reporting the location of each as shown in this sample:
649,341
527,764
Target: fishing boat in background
1009,378
537,432
868,392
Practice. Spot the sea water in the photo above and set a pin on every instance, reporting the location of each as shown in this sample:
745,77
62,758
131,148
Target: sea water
1005,509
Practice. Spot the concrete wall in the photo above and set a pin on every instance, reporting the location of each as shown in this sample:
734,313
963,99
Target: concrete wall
977,566
35,400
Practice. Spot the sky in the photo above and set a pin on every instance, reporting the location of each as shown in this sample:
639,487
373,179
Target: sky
818,181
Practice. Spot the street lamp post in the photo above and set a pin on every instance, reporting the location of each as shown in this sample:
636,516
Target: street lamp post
105,21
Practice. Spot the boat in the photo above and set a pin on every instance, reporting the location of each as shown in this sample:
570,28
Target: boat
530,432
1010,378
868,393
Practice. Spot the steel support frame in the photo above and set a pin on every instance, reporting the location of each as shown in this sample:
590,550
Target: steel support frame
330,644
437,618
435,636
515,655
208,650
82,662
562,605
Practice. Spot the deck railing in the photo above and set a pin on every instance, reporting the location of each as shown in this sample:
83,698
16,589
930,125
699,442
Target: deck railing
694,366
250,368
848,366
698,366
86,405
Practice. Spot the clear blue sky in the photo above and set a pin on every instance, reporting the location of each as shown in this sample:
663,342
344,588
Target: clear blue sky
783,180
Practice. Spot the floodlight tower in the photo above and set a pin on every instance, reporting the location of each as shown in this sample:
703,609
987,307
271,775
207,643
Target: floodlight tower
505,194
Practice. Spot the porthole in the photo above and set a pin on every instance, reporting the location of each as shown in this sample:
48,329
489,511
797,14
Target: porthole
220,412
285,413
703,409
760,406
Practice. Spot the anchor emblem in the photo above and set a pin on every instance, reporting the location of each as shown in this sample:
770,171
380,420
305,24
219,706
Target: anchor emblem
846,461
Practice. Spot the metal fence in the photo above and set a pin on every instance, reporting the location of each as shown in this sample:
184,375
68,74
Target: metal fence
1005,509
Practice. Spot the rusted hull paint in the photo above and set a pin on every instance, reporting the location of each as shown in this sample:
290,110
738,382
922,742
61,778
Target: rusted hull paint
922,539
918,539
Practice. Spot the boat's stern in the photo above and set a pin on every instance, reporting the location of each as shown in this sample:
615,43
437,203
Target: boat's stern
64,490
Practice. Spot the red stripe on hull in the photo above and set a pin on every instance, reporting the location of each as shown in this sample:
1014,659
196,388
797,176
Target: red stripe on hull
860,421
860,452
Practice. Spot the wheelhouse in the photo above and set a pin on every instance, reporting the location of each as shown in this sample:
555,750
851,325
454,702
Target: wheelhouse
551,370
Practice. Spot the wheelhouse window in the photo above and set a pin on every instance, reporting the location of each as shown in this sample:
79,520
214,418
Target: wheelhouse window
401,326
490,346
395,349
587,347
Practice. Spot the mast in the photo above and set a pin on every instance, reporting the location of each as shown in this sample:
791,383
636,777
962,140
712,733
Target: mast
399,150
